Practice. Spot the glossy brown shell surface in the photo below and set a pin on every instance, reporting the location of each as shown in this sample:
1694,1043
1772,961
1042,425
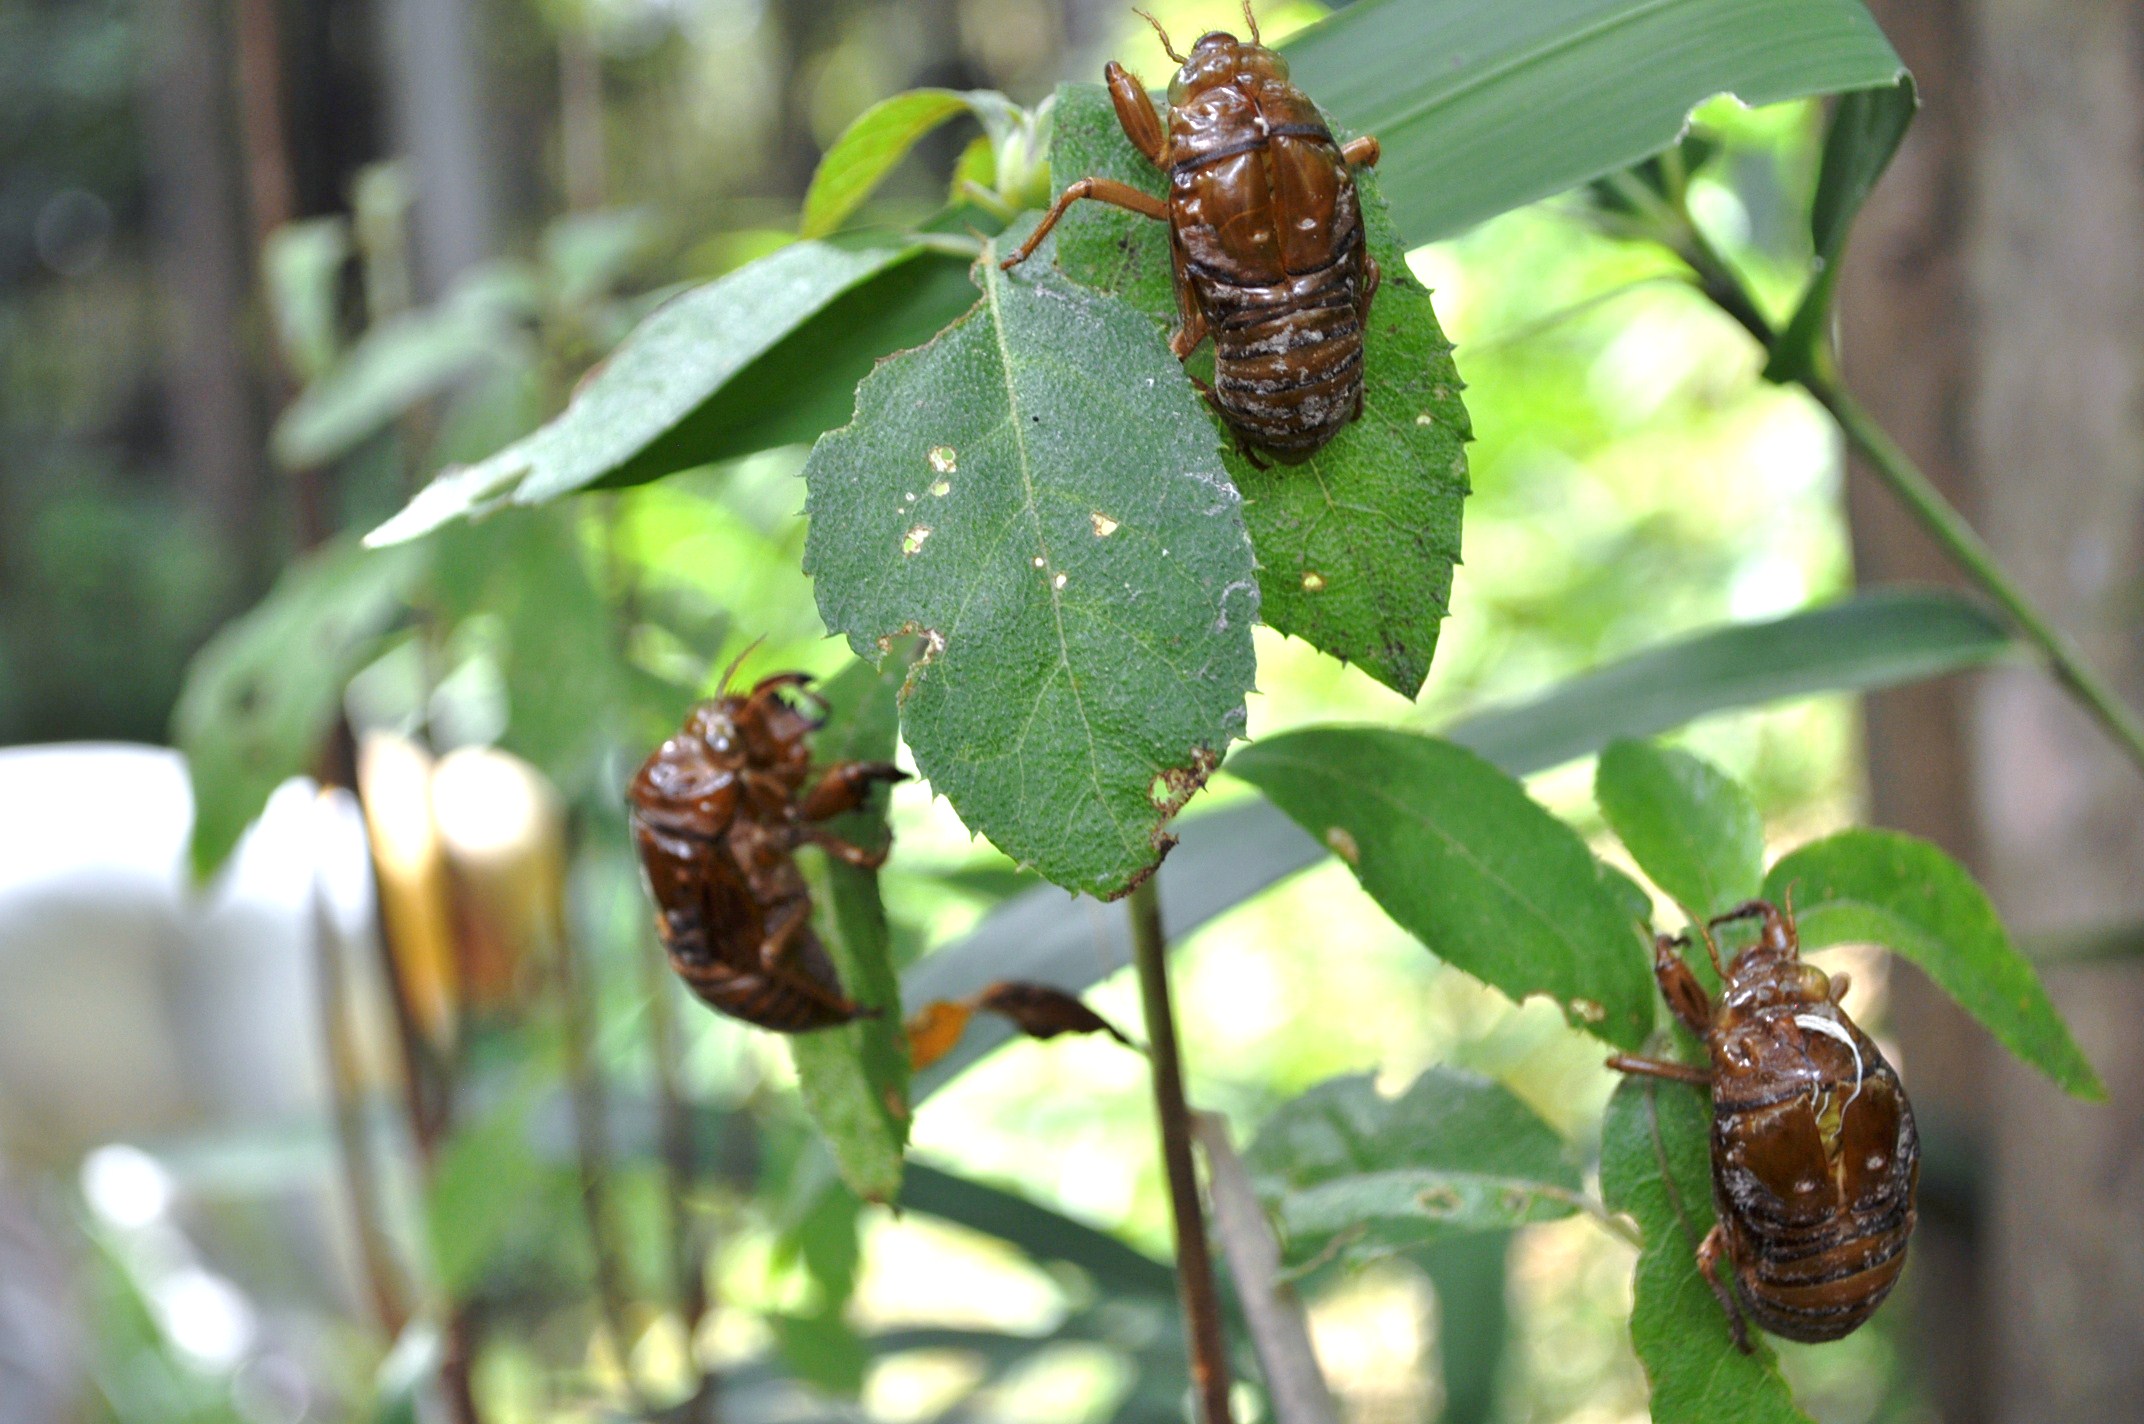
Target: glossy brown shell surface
1815,1158
716,821
1267,237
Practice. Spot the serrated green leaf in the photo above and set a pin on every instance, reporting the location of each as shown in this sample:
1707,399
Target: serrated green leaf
1656,1165
1864,132
1038,496
1356,544
1688,824
768,355
872,147
1352,1174
260,699
854,1079
1483,108
1882,887
1455,851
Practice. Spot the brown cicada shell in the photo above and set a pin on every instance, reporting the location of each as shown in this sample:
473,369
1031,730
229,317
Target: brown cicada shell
1814,1155
1265,238
718,812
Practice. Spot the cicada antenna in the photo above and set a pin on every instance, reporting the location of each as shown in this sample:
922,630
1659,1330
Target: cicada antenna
1166,47
1251,20
738,662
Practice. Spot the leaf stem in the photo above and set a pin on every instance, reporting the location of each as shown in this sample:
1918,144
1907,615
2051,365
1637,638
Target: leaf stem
1949,528
1972,555
1194,1261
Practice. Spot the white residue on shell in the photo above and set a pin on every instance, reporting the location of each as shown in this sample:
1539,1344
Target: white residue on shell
913,539
943,460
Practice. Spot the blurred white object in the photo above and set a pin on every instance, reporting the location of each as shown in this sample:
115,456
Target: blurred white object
133,1006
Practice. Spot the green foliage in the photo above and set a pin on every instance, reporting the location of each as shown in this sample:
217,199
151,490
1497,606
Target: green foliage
1037,495
1455,851
1350,1174
1864,133
767,355
1882,887
478,1201
402,361
1877,639
1356,544
1688,824
874,145
261,698
1656,1164
1483,108
854,1078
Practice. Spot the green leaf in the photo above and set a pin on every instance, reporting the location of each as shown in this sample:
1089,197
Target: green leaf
1356,544
561,653
872,147
768,355
1471,1276
301,270
1228,857
1687,823
1865,131
854,1079
261,698
1872,640
1656,1164
481,1192
408,358
1037,495
823,1350
1455,851
1119,1271
1882,887
1352,1174
1483,108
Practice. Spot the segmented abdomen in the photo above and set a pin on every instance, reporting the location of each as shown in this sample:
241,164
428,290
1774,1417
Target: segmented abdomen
1288,354
1812,1266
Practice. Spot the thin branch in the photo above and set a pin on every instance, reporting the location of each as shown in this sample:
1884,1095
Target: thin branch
591,1141
1280,1332
690,1242
1949,528
1194,1262
359,1163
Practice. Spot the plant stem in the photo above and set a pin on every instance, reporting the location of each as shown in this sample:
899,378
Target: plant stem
1957,538
689,1243
1972,555
591,1138
360,1164
1194,1262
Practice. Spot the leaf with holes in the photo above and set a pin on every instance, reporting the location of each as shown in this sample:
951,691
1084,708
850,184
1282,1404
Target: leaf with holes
1656,1164
1458,854
1353,1174
1881,887
1038,495
261,698
1356,544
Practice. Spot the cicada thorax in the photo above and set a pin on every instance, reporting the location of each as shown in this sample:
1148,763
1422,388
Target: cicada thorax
1814,1153
716,820
1266,233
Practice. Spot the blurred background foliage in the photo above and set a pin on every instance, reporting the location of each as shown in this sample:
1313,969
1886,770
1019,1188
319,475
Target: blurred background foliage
1633,478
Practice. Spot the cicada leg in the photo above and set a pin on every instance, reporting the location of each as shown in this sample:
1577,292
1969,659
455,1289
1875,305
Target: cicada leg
1361,152
1685,996
844,787
1711,1252
1661,1068
1102,190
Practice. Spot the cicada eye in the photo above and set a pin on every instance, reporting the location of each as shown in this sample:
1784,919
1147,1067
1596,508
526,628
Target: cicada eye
1276,66
1815,983
1179,91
